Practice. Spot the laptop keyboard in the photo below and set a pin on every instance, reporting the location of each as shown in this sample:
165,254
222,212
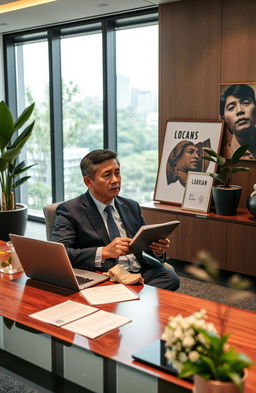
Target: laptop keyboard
83,280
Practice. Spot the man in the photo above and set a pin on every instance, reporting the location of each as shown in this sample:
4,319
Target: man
238,109
86,228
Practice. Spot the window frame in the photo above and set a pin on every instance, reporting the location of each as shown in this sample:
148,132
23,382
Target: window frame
53,34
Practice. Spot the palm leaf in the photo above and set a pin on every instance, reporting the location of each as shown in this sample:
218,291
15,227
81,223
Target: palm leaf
238,154
208,158
17,171
6,125
10,155
23,137
23,117
3,164
239,169
210,152
20,181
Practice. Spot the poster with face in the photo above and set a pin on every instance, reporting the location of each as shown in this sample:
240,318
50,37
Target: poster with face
238,110
182,151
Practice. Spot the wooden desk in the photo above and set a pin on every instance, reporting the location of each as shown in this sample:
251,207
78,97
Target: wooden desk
20,297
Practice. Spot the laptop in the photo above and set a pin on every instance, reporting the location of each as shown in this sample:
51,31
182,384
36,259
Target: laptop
48,261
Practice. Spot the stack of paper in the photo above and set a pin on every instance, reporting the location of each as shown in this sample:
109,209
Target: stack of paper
97,324
108,294
80,318
64,313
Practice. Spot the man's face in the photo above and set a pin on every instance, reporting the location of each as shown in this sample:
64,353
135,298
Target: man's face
189,159
106,182
239,113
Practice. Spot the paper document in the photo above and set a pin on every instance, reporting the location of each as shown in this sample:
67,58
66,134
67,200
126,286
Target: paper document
64,313
108,294
96,324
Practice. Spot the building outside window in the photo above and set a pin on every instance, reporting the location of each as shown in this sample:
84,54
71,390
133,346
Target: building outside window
72,117
33,86
137,110
82,100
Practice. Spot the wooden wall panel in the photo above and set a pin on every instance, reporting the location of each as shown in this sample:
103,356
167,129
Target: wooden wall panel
238,41
190,49
238,61
202,44
241,249
196,234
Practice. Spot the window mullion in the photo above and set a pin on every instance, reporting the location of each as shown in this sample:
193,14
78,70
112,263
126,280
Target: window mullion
56,117
109,85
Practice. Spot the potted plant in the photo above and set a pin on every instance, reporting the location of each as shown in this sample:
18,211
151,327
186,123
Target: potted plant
226,196
13,216
195,348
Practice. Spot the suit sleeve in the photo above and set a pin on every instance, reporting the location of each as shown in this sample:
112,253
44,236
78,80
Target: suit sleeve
67,230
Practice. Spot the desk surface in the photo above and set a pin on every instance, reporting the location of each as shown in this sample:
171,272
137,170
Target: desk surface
20,297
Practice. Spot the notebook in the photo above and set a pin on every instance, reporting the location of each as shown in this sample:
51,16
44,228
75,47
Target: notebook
48,261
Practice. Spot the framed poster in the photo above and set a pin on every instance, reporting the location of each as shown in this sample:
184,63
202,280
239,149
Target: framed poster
197,193
182,151
238,110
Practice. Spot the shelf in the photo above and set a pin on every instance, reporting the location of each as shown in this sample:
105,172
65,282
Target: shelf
243,216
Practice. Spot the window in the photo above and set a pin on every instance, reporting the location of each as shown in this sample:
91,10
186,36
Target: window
33,86
137,110
82,90
95,85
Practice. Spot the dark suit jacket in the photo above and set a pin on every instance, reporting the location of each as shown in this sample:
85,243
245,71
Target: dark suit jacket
79,226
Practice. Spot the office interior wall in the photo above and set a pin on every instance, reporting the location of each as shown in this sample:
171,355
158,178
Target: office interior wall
203,44
2,95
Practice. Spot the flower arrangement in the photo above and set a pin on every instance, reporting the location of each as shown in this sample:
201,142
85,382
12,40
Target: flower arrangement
193,345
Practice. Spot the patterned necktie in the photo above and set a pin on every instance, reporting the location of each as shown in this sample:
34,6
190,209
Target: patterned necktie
112,227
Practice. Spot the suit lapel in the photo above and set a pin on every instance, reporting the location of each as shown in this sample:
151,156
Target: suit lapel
94,217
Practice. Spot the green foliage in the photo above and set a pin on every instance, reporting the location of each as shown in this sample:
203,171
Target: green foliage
10,148
226,166
83,128
216,361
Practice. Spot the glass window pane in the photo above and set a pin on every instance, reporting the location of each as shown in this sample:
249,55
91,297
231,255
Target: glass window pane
82,105
137,110
33,86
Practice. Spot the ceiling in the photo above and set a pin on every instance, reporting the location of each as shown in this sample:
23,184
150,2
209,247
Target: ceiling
67,10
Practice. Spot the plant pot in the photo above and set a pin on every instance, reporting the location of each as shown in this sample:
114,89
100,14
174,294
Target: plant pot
202,385
13,221
226,199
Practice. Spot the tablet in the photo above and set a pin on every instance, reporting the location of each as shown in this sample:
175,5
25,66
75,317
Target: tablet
151,233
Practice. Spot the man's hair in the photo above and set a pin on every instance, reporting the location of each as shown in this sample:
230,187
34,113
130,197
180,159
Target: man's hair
238,91
95,157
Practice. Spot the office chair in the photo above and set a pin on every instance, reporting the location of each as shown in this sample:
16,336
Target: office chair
50,214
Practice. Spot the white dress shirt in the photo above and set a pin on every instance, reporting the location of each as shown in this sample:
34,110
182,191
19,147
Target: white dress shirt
128,262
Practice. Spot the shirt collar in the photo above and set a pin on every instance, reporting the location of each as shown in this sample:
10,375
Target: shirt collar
100,205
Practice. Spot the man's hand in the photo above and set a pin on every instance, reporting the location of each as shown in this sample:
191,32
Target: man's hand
118,246
160,246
